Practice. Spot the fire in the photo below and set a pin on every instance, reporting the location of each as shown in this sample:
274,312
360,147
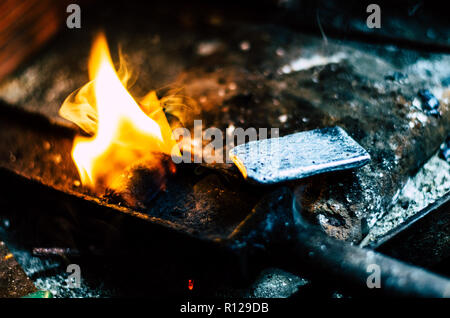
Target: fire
124,133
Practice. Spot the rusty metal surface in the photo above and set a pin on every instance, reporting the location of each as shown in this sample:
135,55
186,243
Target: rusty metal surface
209,203
203,203
249,75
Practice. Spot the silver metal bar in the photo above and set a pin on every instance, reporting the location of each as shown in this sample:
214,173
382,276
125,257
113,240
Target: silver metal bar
298,155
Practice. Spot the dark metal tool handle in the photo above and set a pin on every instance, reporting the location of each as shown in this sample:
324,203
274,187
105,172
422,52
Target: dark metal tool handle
276,228
331,259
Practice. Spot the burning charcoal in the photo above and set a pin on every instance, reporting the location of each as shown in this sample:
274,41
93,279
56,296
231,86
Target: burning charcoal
429,102
444,152
140,183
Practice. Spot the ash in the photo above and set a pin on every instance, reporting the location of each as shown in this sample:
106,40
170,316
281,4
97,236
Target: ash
430,183
275,283
270,283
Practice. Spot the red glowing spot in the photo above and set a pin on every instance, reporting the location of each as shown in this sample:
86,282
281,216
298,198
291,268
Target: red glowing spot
191,284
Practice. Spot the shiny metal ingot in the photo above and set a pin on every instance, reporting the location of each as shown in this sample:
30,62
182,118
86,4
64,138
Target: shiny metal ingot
298,155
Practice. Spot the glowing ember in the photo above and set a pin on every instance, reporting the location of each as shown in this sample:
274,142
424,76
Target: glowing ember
124,133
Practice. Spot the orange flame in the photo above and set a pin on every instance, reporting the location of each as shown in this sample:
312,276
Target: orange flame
124,133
